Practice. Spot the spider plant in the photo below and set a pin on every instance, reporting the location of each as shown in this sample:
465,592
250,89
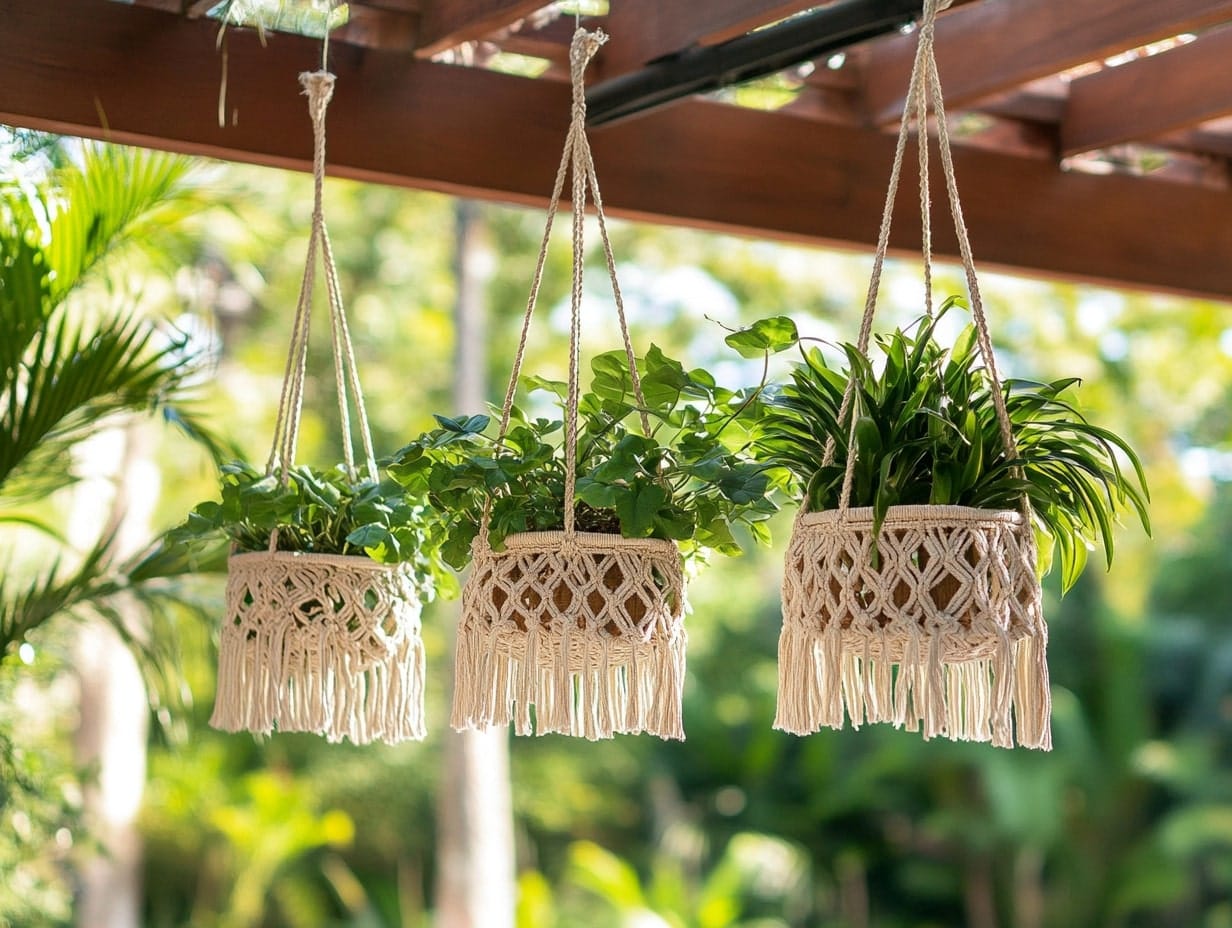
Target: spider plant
926,432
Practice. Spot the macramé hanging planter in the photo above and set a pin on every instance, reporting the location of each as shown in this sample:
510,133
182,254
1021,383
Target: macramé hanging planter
584,629
934,622
312,642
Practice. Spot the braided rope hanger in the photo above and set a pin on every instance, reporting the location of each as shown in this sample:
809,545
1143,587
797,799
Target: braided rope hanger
319,88
316,642
944,632
924,87
578,158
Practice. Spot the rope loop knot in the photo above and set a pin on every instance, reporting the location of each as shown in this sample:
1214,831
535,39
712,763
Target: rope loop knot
319,89
581,50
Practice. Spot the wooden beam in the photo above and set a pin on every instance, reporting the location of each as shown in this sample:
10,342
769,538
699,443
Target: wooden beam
550,42
825,104
1020,137
1148,97
989,47
196,8
445,24
167,6
1027,105
1204,141
108,70
377,27
644,30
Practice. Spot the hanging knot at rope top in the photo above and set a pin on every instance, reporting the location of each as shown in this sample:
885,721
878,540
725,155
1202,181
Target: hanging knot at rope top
929,17
319,89
581,50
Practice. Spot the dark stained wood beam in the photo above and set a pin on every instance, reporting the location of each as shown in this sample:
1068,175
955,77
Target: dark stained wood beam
989,47
825,104
1204,140
445,24
378,27
196,8
167,6
107,70
1148,97
643,30
1028,105
1020,137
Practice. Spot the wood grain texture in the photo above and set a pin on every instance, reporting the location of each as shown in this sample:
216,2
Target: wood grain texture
988,47
106,70
1173,90
446,23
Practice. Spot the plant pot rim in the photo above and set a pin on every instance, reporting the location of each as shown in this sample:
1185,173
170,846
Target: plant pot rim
595,541
309,558
862,516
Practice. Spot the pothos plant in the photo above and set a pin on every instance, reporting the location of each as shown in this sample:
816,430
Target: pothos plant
321,512
691,479
926,432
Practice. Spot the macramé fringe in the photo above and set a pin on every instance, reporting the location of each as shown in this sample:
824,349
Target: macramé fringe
322,644
591,635
945,635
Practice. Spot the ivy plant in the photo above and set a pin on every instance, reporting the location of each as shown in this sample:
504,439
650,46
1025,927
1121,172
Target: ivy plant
691,480
320,512
926,432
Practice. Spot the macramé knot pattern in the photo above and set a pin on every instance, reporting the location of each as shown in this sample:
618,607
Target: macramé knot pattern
321,643
591,634
940,626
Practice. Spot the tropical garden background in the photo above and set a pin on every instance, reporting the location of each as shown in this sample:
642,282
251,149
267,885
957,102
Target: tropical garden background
156,346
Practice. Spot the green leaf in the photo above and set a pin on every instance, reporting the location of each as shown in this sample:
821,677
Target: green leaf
744,484
368,536
765,335
637,507
595,494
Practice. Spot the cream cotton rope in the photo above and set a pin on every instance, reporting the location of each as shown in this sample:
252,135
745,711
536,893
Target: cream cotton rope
944,631
586,628
317,642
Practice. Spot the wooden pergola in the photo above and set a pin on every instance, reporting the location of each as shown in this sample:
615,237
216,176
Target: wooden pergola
1095,134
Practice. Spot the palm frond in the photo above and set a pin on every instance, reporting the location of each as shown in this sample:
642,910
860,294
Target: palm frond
73,380
119,197
25,607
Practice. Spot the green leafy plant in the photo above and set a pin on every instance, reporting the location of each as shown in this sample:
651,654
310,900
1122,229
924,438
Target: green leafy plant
926,432
691,480
319,512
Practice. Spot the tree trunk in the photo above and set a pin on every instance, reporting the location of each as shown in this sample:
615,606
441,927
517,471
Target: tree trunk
118,493
1029,888
475,865
979,894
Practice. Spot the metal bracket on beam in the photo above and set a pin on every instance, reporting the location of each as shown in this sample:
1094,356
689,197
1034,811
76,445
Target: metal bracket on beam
701,69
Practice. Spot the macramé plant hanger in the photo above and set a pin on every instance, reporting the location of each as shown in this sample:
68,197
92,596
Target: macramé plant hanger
586,628
935,622
313,642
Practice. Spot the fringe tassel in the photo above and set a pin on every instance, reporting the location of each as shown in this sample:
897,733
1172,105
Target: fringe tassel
282,667
826,679
579,683
262,689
